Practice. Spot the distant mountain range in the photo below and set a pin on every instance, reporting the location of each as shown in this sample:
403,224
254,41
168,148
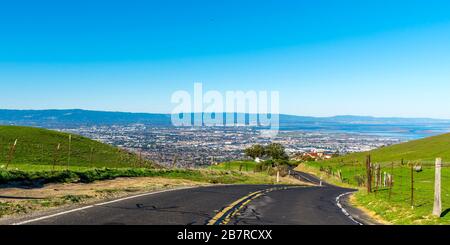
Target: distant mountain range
87,117
358,124
77,117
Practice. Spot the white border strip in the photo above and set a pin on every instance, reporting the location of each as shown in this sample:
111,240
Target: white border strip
99,204
338,203
302,176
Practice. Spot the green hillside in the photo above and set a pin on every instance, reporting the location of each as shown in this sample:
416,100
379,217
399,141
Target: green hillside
410,188
424,151
37,148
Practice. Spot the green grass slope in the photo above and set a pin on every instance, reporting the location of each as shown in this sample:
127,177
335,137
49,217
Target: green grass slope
36,149
424,151
410,188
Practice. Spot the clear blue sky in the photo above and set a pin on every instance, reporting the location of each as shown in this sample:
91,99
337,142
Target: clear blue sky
380,58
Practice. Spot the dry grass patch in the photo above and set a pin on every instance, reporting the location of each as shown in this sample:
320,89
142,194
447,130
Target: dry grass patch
19,201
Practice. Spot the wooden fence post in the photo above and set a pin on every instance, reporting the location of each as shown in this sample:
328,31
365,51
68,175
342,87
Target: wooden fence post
42,153
369,174
11,153
372,175
174,161
412,186
401,178
68,156
55,156
91,156
437,207
376,169
391,180
378,176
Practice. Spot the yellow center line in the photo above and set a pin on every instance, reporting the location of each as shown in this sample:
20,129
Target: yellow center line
228,218
229,207
231,210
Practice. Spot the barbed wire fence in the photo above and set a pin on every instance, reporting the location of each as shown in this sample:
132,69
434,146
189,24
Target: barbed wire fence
63,155
410,183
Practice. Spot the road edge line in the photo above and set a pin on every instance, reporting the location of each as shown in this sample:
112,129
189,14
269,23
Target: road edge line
99,204
343,210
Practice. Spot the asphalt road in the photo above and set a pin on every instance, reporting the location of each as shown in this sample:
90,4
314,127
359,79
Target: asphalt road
235,204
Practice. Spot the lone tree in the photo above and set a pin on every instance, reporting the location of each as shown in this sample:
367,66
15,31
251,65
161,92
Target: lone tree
276,151
255,151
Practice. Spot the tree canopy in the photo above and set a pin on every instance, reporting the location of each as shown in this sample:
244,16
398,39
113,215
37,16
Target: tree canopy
255,151
275,151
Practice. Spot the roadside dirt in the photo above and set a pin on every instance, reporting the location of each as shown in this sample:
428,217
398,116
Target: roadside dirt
16,201
92,189
19,202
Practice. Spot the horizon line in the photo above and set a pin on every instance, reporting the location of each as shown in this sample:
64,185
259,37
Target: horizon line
284,114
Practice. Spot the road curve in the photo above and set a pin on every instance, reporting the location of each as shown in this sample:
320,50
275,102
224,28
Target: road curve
296,206
230,204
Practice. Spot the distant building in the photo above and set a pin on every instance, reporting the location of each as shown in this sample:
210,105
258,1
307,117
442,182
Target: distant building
315,155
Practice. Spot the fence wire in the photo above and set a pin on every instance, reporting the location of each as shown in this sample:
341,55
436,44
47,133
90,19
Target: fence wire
401,182
50,154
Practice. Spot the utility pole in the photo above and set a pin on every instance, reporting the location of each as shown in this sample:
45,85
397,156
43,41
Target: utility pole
437,207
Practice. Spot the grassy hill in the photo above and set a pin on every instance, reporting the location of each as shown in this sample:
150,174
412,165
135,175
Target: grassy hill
424,151
37,149
410,188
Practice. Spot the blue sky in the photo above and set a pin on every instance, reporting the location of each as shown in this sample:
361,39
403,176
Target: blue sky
380,58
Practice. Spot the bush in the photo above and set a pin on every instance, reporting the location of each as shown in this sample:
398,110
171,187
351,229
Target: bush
281,162
284,170
67,176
